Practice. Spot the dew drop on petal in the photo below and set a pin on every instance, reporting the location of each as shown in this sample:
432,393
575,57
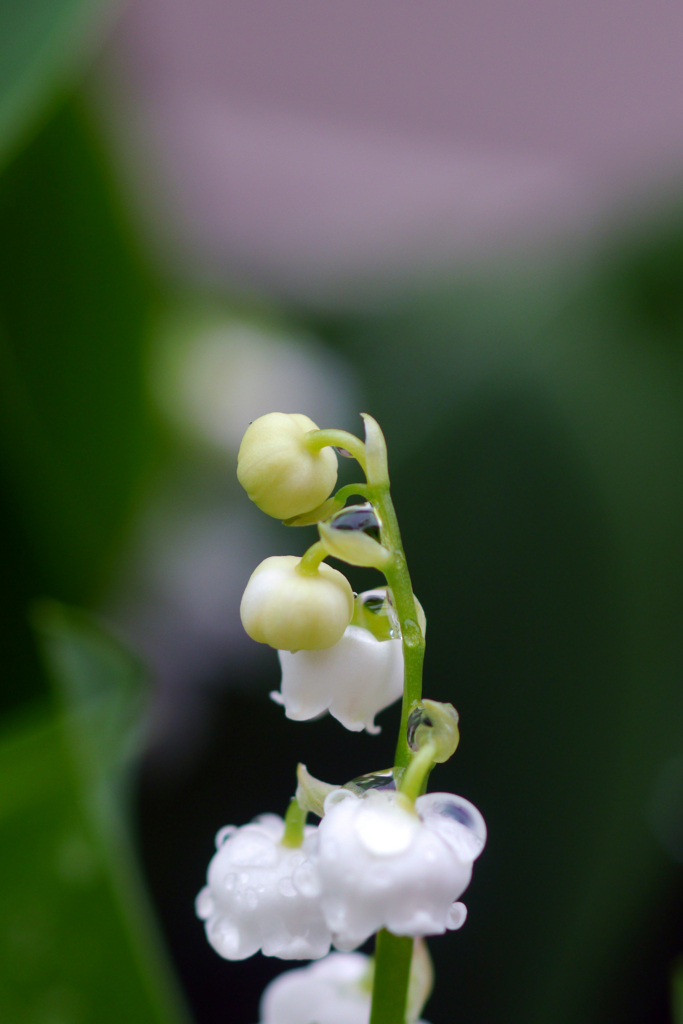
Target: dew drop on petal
286,887
251,898
382,780
355,518
229,881
253,848
455,818
306,881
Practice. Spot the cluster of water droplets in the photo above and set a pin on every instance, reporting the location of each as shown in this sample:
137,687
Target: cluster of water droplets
251,901
379,863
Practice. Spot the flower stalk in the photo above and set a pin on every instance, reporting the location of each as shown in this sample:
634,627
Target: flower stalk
379,862
295,820
393,954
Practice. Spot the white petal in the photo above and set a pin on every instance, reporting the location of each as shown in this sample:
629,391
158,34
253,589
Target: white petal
252,902
456,820
385,830
380,866
354,679
457,916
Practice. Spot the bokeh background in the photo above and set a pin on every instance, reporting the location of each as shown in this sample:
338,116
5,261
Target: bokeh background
467,219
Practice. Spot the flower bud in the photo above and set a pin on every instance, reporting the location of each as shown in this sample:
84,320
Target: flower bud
353,535
278,471
295,611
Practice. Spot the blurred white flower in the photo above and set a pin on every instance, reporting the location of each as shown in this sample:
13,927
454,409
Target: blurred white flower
212,373
354,679
250,901
335,990
379,863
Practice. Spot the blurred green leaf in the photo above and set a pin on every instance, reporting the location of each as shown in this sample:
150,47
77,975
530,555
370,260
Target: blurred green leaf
42,43
78,942
75,435
103,691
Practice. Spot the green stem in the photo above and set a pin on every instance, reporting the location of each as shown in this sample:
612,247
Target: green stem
417,772
311,559
393,954
317,439
351,489
295,820
398,579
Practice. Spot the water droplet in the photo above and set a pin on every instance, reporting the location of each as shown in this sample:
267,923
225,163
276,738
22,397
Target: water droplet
244,878
251,898
306,881
459,813
224,937
357,517
418,717
251,846
381,780
379,614
229,881
456,820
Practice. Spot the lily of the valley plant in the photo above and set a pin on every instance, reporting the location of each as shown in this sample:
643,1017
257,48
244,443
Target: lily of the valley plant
386,858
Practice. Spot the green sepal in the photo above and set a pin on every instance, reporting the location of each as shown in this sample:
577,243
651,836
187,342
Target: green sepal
311,792
328,508
430,721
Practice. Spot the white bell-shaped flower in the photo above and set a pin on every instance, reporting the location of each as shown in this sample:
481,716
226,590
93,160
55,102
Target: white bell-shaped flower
250,901
380,863
330,991
354,679
335,990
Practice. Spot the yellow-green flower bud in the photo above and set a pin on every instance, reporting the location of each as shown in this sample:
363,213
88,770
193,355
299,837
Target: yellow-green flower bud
278,471
293,610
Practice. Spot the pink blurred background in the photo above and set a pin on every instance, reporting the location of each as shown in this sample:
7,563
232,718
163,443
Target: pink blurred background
310,146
